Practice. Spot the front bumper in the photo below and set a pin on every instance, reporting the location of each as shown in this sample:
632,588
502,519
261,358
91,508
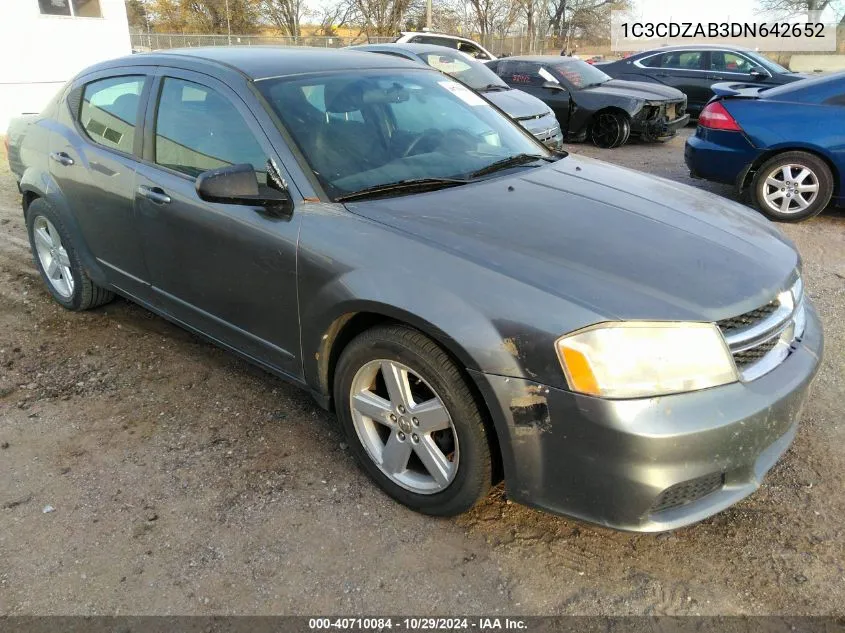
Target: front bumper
649,464
545,129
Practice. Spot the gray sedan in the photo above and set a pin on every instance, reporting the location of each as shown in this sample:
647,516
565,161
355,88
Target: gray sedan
534,115
473,306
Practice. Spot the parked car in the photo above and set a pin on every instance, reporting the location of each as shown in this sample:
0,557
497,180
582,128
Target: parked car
694,69
466,46
534,115
589,104
782,145
620,348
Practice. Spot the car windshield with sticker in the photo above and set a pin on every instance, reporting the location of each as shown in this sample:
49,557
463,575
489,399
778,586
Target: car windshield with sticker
381,128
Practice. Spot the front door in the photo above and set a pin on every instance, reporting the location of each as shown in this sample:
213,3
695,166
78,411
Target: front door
536,80
227,270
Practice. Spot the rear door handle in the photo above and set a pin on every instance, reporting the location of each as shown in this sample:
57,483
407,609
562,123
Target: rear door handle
156,194
713,77
62,158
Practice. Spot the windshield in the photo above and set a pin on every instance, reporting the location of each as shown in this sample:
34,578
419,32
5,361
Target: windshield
580,74
474,74
382,127
768,64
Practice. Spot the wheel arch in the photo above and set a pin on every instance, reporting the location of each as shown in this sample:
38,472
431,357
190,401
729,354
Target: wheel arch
348,325
768,154
41,186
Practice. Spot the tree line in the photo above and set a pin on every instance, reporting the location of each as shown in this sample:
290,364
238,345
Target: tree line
563,20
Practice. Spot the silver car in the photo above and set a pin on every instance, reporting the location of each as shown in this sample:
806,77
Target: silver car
531,113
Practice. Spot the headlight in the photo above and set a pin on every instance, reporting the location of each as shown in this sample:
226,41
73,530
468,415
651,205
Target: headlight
643,359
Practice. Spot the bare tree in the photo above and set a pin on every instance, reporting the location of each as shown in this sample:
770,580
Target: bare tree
381,17
285,15
792,8
332,17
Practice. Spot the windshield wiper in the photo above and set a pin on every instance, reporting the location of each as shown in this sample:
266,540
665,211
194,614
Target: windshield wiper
490,87
511,161
401,186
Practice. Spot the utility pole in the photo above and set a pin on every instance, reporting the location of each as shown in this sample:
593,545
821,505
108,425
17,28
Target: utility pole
228,24
428,14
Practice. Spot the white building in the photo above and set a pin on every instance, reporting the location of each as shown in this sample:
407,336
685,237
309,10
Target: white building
43,43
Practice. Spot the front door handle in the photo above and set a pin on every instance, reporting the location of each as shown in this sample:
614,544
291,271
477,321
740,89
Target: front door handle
62,158
156,194
713,77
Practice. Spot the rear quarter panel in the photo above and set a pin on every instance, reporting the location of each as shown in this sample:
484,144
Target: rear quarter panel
776,126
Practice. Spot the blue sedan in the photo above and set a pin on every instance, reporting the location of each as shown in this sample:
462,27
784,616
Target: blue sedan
785,146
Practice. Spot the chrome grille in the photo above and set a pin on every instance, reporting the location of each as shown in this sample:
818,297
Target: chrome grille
761,339
733,324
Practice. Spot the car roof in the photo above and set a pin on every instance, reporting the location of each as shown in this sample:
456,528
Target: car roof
694,47
451,37
541,59
416,49
263,62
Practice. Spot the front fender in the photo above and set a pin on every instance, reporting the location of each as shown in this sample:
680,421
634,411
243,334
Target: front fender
438,313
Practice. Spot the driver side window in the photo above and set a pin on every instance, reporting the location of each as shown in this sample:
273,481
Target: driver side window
198,129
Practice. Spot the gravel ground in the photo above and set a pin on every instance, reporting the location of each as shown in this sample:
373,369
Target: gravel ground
183,481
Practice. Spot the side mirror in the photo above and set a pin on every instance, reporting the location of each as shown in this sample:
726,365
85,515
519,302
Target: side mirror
237,185
759,73
553,85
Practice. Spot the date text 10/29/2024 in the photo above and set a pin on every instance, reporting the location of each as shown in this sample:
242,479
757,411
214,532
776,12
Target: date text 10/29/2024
402,624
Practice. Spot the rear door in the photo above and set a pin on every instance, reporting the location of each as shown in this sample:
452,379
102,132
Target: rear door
93,159
684,70
227,270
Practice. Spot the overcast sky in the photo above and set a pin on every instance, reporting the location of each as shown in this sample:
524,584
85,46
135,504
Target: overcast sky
704,11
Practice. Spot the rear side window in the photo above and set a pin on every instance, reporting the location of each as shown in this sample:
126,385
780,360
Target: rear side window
690,60
198,129
722,61
655,61
109,111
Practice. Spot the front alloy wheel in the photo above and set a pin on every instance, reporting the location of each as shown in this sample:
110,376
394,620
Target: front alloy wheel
412,421
404,426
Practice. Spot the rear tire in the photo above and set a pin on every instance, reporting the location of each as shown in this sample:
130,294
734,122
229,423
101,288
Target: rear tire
610,129
792,186
58,261
390,434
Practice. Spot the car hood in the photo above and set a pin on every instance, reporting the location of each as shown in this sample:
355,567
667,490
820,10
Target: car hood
640,89
517,104
622,243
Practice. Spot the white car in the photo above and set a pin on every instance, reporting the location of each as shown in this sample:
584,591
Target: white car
468,47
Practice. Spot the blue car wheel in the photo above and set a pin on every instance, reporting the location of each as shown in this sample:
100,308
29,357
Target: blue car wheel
793,186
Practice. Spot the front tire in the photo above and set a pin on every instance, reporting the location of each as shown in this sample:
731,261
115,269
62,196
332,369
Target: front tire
412,422
792,186
610,129
58,262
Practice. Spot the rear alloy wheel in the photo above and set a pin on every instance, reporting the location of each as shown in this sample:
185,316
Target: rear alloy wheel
610,129
793,186
412,422
58,261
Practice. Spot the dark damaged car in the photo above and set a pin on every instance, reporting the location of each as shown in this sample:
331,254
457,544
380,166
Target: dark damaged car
590,105
472,305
